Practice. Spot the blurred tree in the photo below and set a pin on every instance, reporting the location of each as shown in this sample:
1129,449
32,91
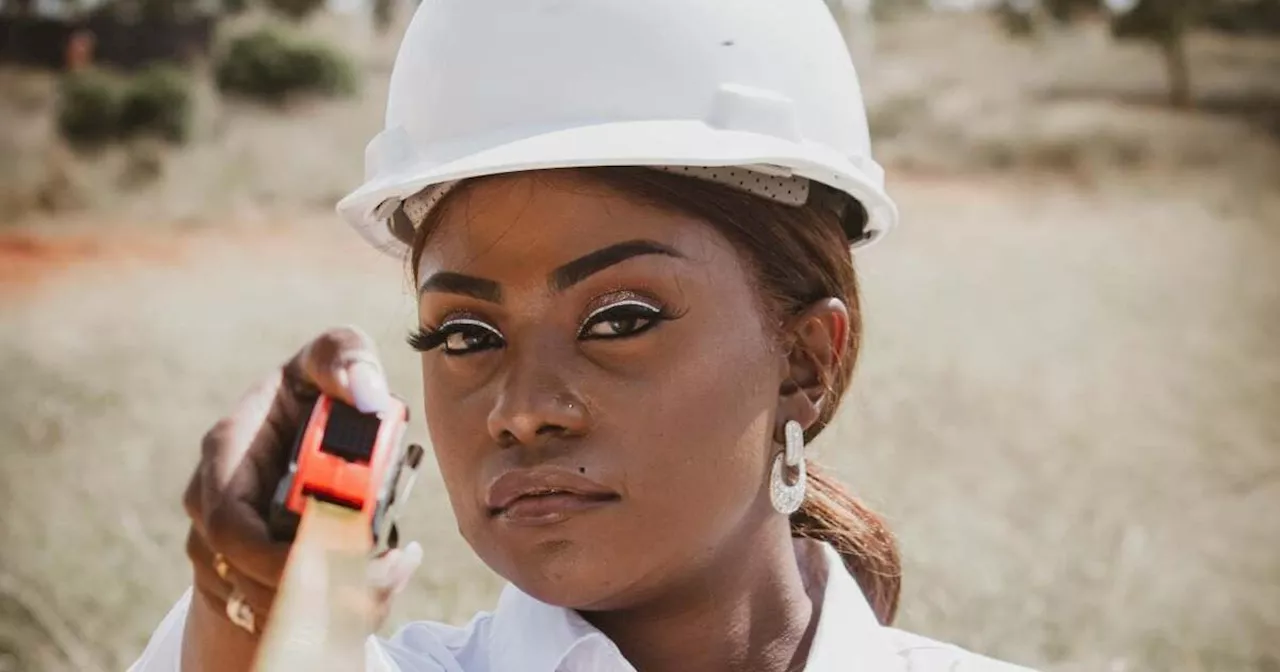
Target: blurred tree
1067,10
885,10
1018,18
295,10
1257,17
153,9
383,14
1164,23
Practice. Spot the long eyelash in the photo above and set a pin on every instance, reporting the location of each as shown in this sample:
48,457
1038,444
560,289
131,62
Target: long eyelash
423,339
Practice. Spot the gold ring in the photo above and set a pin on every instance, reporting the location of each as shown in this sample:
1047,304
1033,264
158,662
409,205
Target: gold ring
239,612
221,566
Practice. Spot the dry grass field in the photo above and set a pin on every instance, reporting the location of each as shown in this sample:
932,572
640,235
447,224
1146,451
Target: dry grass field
1068,404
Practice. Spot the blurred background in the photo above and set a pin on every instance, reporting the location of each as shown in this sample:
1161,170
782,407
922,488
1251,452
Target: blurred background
1068,405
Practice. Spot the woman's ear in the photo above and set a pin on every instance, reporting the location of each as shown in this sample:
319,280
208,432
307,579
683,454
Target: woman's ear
816,340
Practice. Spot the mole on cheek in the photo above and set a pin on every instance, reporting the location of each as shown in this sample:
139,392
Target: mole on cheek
582,470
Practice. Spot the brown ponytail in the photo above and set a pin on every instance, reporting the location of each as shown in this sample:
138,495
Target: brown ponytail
800,255
831,514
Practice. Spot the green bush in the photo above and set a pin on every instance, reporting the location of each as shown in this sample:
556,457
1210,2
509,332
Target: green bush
96,106
270,66
323,69
158,102
89,104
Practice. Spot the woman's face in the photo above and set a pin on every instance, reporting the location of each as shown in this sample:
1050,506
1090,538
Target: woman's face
601,390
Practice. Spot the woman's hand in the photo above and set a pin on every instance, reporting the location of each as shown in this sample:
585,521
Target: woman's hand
242,459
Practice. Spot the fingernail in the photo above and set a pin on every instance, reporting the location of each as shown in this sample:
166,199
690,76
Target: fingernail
368,389
393,570
406,566
381,571
412,556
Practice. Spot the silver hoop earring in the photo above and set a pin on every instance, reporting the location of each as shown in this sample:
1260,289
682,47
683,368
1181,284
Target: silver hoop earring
787,497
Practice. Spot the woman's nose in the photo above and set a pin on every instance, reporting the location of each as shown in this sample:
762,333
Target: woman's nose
536,404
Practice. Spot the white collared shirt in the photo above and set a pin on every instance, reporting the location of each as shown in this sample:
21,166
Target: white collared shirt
525,635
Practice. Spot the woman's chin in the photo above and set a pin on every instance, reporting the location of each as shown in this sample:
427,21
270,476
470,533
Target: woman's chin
566,574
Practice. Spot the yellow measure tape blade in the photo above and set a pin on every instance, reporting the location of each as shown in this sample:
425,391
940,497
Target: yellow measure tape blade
323,612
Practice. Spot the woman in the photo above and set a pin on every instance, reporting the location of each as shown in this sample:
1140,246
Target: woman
629,227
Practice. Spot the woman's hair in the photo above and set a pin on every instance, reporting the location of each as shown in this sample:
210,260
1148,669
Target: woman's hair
798,256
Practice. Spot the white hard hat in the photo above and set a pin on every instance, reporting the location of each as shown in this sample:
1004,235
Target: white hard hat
482,87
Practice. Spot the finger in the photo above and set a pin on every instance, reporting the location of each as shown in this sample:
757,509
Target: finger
205,575
343,363
239,532
221,583
381,612
389,575
392,571
227,443
384,597
244,458
260,599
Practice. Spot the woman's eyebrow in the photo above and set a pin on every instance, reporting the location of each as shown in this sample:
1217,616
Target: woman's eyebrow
466,285
560,279
589,264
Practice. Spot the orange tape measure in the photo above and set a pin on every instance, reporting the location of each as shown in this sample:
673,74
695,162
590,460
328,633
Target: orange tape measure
350,459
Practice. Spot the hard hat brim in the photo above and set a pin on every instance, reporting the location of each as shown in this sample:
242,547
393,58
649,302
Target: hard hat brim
637,143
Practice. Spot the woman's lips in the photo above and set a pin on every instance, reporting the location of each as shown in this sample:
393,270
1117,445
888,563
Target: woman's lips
544,496
536,510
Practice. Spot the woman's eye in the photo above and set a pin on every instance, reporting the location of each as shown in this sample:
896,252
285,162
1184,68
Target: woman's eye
630,318
457,337
461,338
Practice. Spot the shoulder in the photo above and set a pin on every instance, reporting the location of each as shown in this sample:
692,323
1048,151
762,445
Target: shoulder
928,655
428,646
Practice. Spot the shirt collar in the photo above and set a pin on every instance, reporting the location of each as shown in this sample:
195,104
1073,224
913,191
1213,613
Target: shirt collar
849,636
532,636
